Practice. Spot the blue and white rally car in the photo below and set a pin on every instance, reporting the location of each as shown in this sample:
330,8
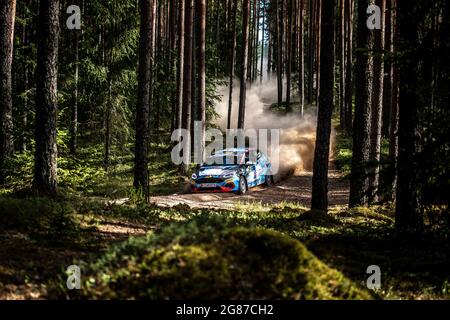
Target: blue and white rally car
233,170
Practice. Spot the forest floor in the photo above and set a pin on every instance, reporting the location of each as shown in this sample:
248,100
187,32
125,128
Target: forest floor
99,214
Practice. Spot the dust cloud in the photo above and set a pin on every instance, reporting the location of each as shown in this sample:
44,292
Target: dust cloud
297,134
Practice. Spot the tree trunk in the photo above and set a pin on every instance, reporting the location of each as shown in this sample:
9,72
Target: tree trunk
349,67
393,126
201,71
244,59
172,45
187,75
289,58
74,113
108,123
263,12
232,62
389,66
342,61
312,47
319,199
143,107
23,139
7,17
301,69
279,47
377,106
180,67
359,183
318,43
45,164
409,214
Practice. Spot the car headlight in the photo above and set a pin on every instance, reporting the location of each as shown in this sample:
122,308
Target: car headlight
194,176
228,175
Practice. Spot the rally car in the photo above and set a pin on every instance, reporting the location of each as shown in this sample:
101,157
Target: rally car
233,170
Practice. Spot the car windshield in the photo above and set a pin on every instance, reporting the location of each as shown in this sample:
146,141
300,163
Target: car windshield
231,159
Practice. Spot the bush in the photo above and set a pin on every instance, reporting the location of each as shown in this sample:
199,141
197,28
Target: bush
192,262
41,218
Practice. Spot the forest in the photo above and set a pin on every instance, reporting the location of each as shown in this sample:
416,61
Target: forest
93,95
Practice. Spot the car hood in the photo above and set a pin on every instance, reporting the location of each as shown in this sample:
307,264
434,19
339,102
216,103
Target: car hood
217,171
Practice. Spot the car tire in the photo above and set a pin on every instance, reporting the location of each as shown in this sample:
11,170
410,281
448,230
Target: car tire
187,189
242,186
268,180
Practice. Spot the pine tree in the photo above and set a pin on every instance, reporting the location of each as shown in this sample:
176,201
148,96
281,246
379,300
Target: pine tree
7,17
319,199
45,162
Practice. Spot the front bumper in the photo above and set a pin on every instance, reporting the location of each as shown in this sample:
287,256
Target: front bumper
217,185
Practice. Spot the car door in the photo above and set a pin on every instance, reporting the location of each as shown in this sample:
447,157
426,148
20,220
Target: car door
259,168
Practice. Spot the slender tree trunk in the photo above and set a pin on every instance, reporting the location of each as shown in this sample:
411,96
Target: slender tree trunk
301,77
359,182
187,75
263,12
244,57
349,67
250,43
312,46
143,107
180,67
217,36
409,215
255,39
319,43
319,199
194,89
269,49
393,126
45,162
172,45
7,17
289,58
74,113
232,62
342,61
108,123
201,70
389,66
377,107
279,34
153,75
24,112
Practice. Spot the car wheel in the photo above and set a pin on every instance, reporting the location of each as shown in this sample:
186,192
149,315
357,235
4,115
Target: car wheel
242,185
187,189
268,180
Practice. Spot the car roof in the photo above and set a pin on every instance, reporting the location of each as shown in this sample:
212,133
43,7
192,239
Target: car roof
235,150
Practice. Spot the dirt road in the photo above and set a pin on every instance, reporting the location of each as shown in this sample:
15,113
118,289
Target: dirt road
295,189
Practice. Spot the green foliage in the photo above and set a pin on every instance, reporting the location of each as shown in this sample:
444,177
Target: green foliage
343,155
41,218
